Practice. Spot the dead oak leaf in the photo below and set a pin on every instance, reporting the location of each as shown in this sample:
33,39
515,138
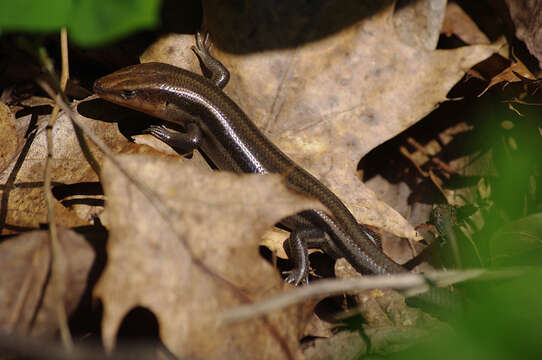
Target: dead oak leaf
200,260
328,101
27,300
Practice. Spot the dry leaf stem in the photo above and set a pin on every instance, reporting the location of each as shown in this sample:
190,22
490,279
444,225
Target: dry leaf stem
57,260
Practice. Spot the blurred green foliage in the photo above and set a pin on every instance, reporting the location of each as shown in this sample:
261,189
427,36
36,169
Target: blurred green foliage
502,320
515,145
89,22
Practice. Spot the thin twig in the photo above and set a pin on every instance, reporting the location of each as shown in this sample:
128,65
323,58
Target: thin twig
434,159
57,261
415,283
403,150
437,182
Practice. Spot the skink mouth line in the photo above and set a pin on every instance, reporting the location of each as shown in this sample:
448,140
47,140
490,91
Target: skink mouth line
98,87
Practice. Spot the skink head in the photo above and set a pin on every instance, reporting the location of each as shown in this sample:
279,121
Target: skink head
137,87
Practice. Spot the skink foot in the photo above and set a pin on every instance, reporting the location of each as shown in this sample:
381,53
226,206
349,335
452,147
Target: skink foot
183,143
296,277
212,69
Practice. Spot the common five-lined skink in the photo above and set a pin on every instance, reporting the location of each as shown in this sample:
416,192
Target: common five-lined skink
217,125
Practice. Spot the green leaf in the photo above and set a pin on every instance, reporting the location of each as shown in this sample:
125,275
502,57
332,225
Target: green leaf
502,321
34,15
89,22
94,22
518,242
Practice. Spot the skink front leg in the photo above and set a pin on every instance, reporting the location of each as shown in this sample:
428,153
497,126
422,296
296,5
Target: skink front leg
215,71
183,143
212,69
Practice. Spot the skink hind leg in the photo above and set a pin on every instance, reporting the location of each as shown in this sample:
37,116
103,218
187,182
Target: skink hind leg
315,229
183,143
212,69
297,246
296,249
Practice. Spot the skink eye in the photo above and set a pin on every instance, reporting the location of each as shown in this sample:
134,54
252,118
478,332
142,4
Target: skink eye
127,94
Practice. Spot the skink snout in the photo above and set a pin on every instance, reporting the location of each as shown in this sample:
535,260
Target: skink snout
98,87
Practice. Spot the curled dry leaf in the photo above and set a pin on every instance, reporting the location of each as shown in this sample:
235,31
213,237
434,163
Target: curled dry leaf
509,75
27,299
200,260
327,100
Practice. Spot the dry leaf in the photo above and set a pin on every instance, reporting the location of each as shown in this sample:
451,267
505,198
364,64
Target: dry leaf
509,75
527,18
26,208
207,264
418,23
457,22
273,239
396,195
24,176
8,136
330,100
392,325
27,300
343,345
